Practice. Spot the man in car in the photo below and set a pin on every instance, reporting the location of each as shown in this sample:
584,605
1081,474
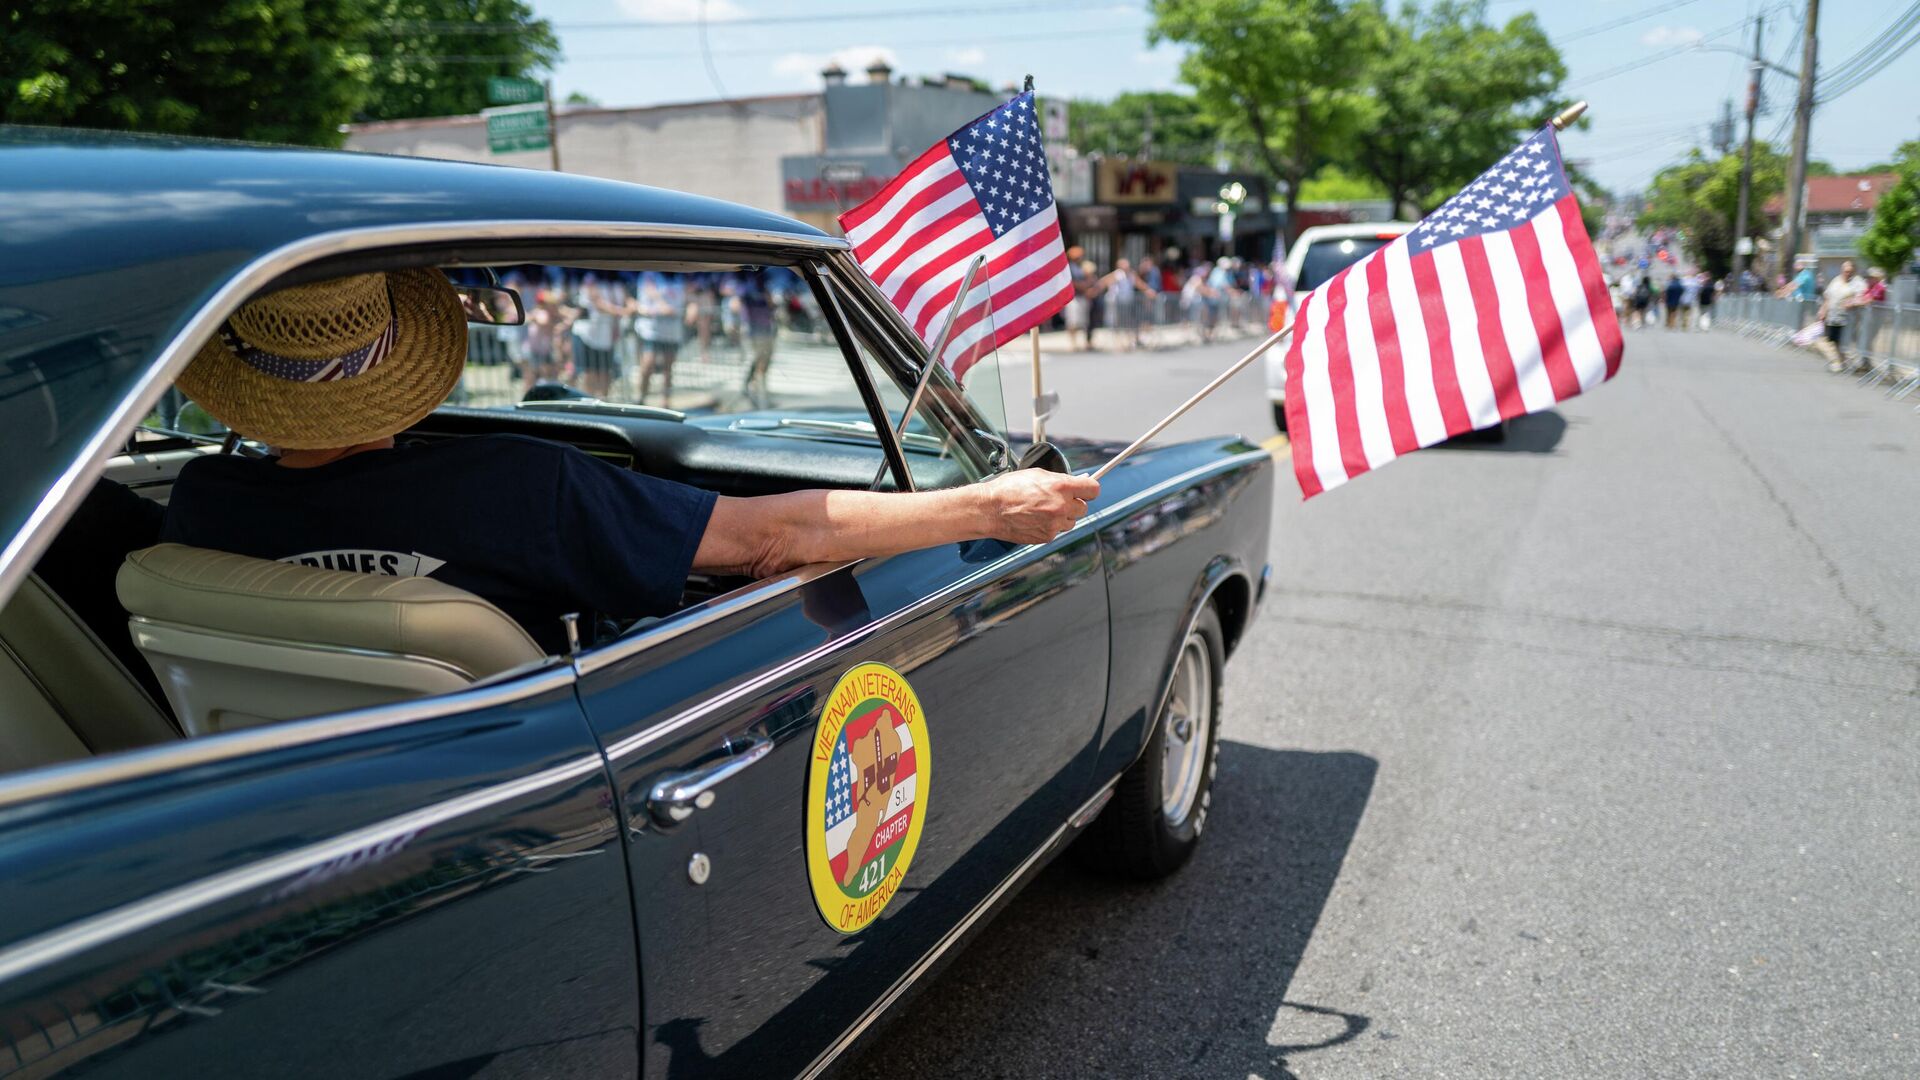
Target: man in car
328,373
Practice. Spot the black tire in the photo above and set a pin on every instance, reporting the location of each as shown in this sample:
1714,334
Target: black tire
1280,416
1133,836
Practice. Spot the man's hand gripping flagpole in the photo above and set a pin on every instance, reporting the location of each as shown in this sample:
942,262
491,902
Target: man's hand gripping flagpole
1559,123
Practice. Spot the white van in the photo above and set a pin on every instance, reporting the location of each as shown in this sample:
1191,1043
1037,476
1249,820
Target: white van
1321,252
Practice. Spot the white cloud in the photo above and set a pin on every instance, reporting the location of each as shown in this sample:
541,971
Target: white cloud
968,57
804,67
1671,35
681,10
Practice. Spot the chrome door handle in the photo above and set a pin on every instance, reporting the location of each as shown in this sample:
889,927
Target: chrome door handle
674,797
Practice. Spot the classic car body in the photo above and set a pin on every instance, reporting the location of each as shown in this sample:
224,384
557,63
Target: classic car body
481,883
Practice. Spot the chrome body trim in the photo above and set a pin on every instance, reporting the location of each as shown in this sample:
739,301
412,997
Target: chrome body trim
705,614
95,930
25,546
953,936
743,598
207,749
1102,515
639,740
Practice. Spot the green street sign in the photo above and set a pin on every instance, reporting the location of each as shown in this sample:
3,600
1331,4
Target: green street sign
517,127
512,90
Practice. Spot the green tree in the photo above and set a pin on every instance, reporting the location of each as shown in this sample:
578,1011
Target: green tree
433,57
1334,184
1700,196
272,70
1287,77
1890,240
1449,94
1177,127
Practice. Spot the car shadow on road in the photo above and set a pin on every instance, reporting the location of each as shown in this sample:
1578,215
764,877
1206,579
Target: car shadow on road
1535,433
1083,975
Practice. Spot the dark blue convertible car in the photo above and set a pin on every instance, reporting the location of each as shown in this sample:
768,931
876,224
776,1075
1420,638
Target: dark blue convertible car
276,820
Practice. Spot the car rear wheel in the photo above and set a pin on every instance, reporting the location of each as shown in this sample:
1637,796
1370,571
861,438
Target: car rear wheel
1280,416
1159,806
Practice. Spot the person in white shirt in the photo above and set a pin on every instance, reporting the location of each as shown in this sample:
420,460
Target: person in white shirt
595,335
1836,308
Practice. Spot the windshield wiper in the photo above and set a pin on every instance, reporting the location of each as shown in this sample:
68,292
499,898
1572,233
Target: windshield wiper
595,405
916,439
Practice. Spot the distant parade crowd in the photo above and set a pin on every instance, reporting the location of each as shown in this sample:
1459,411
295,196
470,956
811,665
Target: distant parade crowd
620,334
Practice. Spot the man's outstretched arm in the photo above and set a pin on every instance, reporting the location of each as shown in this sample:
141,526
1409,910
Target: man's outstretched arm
767,534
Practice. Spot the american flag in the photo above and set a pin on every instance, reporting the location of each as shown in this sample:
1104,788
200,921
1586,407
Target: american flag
1492,308
985,190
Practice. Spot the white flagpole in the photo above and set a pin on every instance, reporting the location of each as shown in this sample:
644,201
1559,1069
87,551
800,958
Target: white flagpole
1219,380
1039,392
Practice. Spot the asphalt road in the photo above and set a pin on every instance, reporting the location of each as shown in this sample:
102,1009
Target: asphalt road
1591,754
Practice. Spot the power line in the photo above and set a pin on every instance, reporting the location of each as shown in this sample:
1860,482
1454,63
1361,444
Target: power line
781,50
1875,56
1664,54
1023,6
1860,56
1658,9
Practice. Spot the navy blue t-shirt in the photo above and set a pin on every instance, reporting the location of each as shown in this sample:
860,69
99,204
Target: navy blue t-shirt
538,528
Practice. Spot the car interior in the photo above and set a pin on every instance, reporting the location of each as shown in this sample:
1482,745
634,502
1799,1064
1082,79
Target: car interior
117,641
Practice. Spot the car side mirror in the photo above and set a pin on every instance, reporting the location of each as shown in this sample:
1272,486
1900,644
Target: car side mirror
490,305
1045,455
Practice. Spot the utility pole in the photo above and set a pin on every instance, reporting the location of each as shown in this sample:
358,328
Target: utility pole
1746,160
1802,120
553,130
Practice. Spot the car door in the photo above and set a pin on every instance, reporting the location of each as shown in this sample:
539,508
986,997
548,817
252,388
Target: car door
793,858
427,889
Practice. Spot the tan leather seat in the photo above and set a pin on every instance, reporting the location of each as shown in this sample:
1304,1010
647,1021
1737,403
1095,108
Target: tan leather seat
63,692
239,641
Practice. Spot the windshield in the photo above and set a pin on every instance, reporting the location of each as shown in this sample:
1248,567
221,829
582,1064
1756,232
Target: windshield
1325,258
740,348
971,354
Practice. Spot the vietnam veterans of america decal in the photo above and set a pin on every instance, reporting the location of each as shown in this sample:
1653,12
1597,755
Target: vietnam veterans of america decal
866,795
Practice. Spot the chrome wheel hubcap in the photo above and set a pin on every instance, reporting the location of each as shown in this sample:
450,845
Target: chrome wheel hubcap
1188,722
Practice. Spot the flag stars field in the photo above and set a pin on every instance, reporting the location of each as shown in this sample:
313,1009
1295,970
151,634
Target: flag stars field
970,195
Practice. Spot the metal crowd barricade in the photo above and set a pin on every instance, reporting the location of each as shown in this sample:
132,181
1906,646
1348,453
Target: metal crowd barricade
1886,337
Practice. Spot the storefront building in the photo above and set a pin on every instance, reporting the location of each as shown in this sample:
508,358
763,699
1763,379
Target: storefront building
724,149
1169,212
871,131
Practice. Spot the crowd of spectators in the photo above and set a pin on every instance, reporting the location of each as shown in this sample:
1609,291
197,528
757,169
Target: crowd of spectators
1132,300
610,333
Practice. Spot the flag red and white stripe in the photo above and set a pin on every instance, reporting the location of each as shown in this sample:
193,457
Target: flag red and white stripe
1493,308
983,191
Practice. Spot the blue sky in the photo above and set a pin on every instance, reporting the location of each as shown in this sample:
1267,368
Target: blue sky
1653,90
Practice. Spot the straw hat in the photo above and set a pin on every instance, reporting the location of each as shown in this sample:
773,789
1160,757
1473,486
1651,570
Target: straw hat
334,363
